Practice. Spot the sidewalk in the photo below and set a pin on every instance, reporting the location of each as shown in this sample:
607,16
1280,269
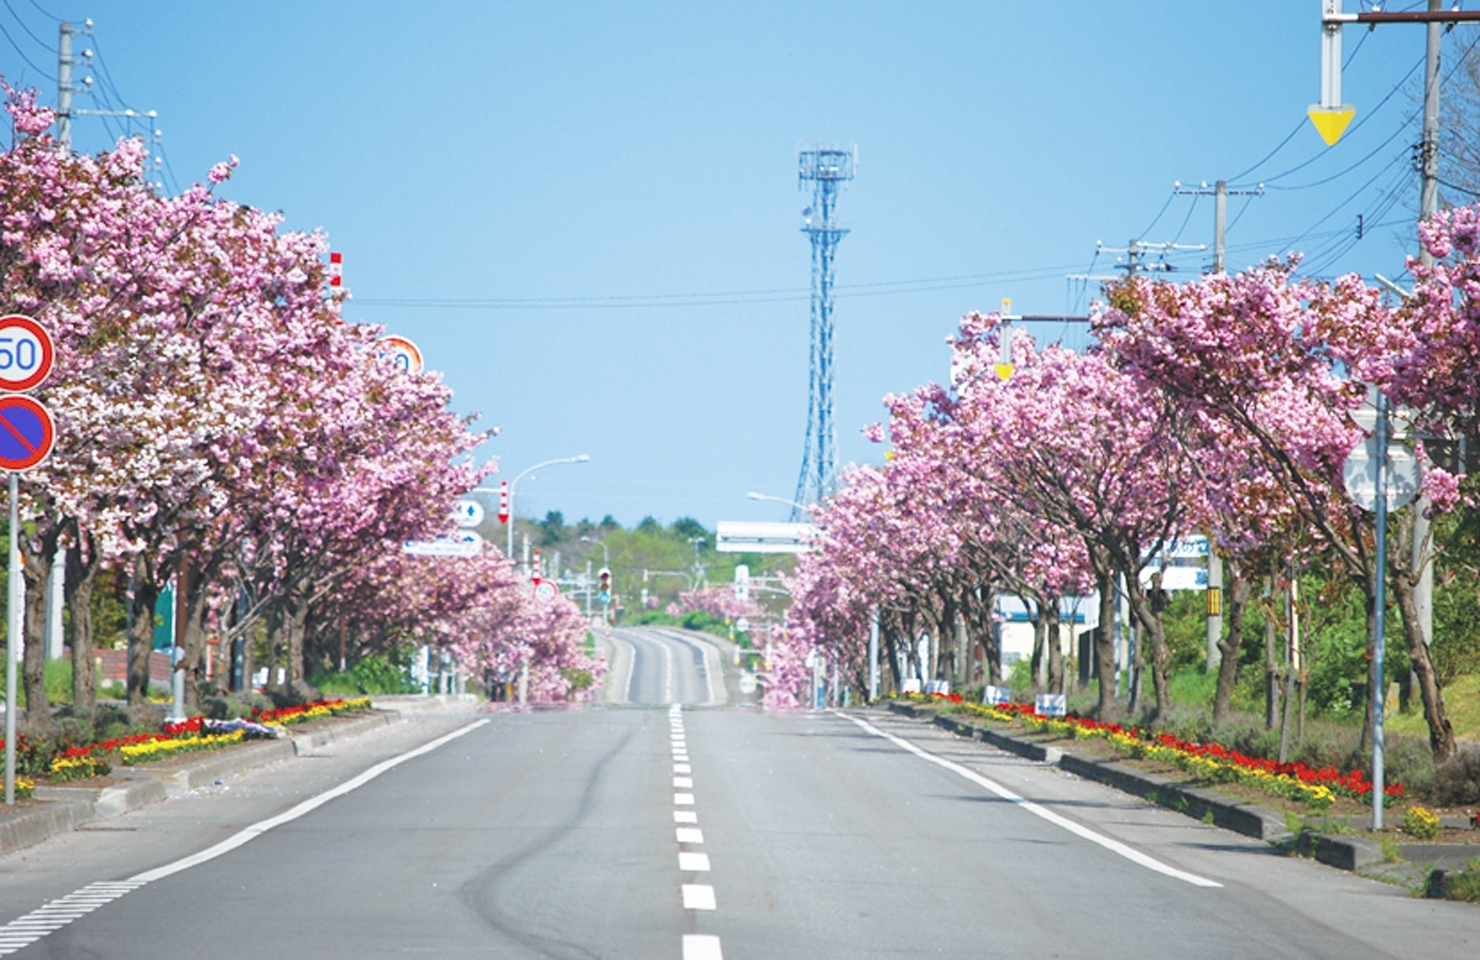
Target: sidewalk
62,808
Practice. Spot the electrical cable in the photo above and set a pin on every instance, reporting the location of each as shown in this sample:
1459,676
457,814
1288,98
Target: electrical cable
1375,150
724,298
1155,220
23,56
52,15
47,47
1299,124
1191,208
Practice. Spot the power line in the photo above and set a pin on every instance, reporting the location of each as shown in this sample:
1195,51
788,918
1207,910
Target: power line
1299,124
47,47
39,7
722,298
22,54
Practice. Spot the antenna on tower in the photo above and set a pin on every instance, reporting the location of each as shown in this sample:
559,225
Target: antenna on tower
825,169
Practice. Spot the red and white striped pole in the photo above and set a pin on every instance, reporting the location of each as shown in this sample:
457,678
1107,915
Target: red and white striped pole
503,502
536,576
336,279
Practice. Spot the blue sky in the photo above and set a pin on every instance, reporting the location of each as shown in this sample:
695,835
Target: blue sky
587,216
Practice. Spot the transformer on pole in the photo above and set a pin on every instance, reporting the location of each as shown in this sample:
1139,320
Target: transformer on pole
825,168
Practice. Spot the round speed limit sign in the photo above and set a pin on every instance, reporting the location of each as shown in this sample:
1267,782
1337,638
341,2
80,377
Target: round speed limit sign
26,353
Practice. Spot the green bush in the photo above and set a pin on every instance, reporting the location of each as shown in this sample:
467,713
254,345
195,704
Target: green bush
383,673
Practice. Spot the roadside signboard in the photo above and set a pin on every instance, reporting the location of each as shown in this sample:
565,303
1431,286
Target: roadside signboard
26,438
1050,705
26,353
733,536
546,590
402,352
26,432
464,543
468,513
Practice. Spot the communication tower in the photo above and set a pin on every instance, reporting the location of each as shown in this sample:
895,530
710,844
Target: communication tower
825,169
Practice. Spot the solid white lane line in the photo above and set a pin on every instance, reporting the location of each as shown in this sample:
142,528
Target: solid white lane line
683,799
693,862
1079,829
685,816
683,783
701,946
293,813
667,674
689,834
697,896
631,666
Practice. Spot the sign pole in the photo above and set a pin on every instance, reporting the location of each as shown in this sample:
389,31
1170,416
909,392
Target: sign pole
13,629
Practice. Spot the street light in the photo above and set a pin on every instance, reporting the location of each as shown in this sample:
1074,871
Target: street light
606,555
509,542
762,496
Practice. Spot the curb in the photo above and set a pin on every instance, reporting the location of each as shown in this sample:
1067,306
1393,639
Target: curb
71,807
1250,820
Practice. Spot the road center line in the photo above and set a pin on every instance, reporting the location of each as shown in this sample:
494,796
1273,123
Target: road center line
1114,846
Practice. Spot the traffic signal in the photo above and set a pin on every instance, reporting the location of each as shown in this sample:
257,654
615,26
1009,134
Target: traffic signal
604,585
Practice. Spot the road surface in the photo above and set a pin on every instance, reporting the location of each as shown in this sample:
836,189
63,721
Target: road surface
661,826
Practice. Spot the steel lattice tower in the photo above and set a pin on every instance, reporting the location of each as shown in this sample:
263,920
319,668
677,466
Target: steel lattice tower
825,168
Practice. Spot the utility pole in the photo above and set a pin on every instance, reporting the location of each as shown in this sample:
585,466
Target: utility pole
1214,595
64,86
1135,249
1220,194
1428,205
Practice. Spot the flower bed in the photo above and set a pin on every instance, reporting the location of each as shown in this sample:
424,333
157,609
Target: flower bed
188,736
287,716
1214,762
152,750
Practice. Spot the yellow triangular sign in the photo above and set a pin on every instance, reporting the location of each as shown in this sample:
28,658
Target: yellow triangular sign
1004,370
1331,121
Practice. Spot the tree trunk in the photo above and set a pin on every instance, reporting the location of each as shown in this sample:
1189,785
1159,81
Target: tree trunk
1239,592
1040,646
194,632
1404,583
1055,647
141,633
1271,661
1105,708
276,622
82,569
297,629
36,569
1146,609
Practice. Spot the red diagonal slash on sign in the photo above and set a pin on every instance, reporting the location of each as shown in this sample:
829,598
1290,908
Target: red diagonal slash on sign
28,433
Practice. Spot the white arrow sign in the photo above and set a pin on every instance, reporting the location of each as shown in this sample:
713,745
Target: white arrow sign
468,513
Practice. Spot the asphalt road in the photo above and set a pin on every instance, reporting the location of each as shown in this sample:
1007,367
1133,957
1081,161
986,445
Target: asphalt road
676,831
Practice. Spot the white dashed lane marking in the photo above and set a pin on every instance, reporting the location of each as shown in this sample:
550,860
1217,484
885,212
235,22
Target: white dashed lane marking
699,946
697,896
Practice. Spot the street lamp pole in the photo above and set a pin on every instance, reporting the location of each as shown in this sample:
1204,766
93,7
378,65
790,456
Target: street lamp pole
606,563
509,540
